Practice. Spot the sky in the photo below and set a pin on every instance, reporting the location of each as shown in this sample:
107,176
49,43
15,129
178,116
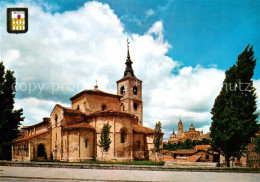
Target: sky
180,49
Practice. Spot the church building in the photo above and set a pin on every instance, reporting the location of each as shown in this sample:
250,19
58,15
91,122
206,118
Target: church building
192,134
71,134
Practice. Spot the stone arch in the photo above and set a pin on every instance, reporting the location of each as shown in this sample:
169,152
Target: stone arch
122,107
41,150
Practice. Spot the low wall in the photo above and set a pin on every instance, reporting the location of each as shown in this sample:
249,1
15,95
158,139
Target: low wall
129,167
197,164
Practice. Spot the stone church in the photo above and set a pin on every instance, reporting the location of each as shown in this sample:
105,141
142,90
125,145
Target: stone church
71,134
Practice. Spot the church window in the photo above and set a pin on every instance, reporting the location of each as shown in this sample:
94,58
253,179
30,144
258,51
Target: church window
122,107
138,144
135,90
56,120
77,107
103,107
123,135
86,143
122,90
135,106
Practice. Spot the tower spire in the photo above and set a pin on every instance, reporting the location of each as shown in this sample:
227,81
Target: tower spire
129,72
127,43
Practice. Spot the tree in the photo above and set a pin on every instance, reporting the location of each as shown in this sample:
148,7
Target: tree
157,138
104,142
10,119
234,111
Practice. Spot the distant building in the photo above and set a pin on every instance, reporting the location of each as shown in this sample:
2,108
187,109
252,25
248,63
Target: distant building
192,134
249,159
200,153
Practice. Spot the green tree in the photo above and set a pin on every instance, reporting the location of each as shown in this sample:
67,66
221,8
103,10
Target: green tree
234,111
157,141
104,142
10,119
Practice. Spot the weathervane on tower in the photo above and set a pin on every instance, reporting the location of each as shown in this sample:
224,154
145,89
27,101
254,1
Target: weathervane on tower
127,42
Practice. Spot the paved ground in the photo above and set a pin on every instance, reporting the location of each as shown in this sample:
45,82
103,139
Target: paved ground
67,174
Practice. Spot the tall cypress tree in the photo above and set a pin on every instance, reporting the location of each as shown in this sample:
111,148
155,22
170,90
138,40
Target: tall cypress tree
157,141
10,119
234,117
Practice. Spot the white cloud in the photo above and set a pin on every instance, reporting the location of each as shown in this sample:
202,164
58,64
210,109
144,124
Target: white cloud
149,13
36,109
75,48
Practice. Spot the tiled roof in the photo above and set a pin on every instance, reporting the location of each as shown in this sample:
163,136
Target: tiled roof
68,110
94,92
110,112
79,126
168,158
45,121
184,151
193,158
141,129
30,137
202,147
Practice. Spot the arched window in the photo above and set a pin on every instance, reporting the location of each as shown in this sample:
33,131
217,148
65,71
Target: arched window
123,132
135,106
103,107
139,144
77,107
122,90
135,90
40,150
56,120
86,143
122,107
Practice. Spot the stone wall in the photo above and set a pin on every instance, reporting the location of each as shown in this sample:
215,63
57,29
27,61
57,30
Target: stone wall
92,103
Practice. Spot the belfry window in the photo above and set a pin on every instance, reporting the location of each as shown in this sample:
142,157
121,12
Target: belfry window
122,90
135,90
135,106
123,136
103,107
77,107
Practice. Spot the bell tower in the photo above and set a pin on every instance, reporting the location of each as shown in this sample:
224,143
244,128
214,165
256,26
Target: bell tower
180,129
130,88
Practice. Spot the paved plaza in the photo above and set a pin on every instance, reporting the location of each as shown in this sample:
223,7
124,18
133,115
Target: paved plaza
68,174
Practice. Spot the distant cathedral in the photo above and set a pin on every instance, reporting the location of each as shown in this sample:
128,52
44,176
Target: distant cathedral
192,134
72,134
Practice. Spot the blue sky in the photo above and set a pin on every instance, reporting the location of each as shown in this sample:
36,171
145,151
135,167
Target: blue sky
206,32
180,50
